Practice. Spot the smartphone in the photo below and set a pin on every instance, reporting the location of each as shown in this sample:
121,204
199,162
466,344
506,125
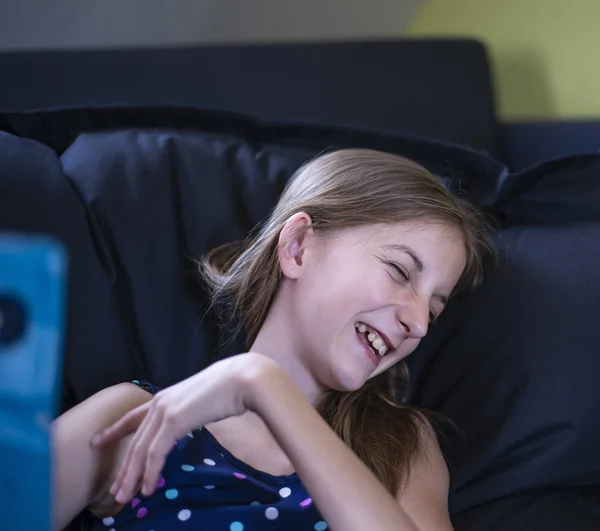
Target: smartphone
33,285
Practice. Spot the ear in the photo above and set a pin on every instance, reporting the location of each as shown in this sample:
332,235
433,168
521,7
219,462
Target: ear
294,240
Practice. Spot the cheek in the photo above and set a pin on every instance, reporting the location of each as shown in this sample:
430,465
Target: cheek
344,288
320,303
370,291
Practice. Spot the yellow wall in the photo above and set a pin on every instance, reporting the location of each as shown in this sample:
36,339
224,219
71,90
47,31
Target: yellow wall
545,53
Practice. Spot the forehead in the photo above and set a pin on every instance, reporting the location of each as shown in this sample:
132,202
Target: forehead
422,234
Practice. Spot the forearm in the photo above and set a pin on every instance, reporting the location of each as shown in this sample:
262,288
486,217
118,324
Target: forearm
80,473
346,492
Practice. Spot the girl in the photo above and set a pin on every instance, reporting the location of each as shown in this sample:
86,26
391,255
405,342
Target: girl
363,250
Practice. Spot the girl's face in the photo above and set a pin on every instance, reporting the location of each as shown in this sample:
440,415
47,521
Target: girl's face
361,299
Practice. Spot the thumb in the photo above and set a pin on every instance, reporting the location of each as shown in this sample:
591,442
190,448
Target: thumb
123,427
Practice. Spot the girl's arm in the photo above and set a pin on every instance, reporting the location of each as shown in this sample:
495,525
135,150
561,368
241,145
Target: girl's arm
345,491
81,474
425,497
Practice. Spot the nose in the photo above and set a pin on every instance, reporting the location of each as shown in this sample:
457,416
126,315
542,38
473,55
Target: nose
414,318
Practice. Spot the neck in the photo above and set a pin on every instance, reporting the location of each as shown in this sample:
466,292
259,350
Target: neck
277,341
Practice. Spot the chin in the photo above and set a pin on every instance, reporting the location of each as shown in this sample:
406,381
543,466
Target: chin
348,382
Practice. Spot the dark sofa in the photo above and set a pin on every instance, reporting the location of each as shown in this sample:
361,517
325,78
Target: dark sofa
139,161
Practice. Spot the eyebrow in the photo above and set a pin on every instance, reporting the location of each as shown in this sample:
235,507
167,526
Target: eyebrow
410,252
418,265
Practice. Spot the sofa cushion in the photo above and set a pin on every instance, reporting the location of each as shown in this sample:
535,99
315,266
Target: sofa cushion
516,367
157,200
552,509
36,197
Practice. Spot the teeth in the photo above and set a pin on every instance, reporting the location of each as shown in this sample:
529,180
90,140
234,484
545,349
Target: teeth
374,339
377,343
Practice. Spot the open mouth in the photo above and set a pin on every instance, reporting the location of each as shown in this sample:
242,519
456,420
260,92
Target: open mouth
373,339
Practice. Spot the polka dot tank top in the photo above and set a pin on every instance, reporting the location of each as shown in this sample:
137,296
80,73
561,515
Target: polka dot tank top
204,487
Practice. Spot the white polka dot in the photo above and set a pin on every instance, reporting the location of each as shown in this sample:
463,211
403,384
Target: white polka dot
108,521
209,462
209,487
255,503
321,526
236,526
184,515
187,468
271,513
285,492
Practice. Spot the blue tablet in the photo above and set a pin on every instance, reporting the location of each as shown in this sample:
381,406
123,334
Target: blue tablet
33,284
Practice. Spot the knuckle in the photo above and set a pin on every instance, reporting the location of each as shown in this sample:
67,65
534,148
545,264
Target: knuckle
126,421
171,417
160,405
137,450
153,454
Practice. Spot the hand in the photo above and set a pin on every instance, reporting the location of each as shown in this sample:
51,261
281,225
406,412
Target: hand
216,393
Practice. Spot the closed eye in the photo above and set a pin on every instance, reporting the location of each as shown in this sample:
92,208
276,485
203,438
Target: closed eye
405,276
400,270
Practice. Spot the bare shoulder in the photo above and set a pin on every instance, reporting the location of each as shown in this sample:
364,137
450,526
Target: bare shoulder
430,463
81,473
425,495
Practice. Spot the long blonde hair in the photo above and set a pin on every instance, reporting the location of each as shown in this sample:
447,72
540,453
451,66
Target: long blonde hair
340,190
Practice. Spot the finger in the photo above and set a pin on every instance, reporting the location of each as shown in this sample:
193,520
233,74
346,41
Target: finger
123,427
133,444
133,469
171,429
160,447
119,487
